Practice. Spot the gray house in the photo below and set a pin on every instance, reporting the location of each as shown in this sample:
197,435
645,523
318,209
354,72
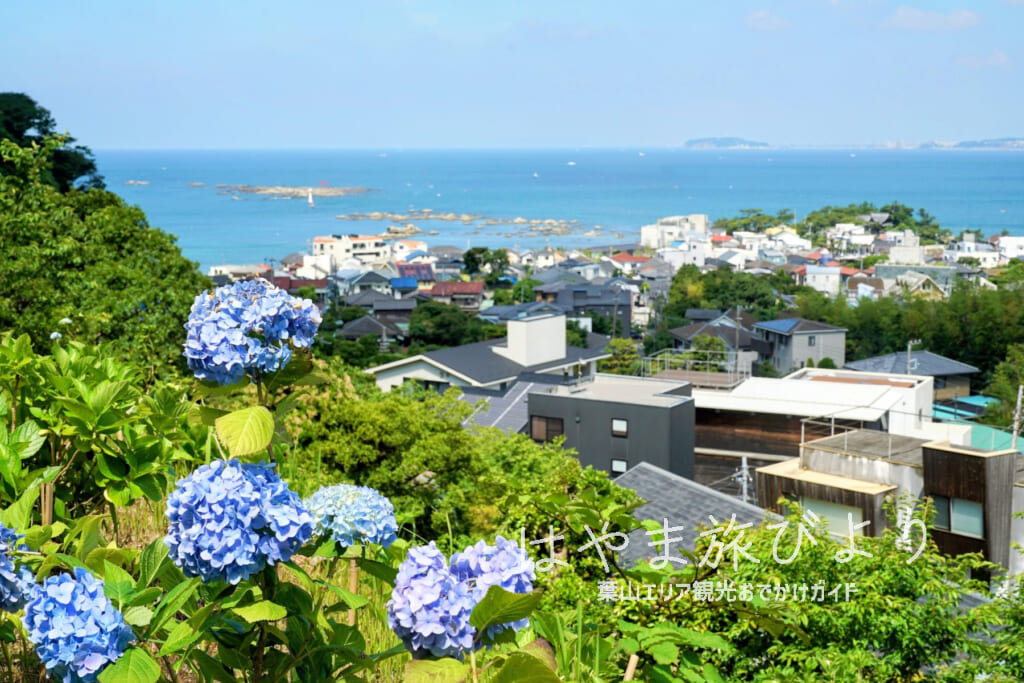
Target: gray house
952,378
614,422
795,341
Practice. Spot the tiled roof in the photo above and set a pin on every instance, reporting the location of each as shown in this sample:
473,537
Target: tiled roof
923,363
793,325
450,288
630,258
404,282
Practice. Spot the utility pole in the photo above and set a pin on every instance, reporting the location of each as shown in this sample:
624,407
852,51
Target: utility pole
743,478
1016,415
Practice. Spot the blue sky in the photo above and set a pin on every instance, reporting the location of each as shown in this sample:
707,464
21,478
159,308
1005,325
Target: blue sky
562,73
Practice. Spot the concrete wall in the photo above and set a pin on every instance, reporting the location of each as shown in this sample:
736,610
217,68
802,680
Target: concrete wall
534,340
420,370
909,479
826,345
661,436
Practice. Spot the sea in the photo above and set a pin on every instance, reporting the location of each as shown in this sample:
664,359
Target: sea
604,195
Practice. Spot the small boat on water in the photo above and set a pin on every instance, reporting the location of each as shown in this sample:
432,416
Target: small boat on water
309,198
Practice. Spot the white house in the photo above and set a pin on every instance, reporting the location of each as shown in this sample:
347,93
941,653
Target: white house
671,229
825,279
1010,246
369,249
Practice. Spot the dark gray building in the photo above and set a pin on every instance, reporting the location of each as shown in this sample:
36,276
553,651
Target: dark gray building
615,422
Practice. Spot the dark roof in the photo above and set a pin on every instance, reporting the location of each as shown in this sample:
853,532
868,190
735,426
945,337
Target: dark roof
509,409
366,298
793,325
517,311
726,333
370,277
394,305
682,502
420,271
292,259
696,314
923,363
367,325
479,362
556,275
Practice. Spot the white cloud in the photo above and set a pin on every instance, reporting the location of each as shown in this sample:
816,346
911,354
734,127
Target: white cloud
912,19
996,58
766,20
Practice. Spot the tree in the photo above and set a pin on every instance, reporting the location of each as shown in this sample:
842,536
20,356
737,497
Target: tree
827,362
575,335
26,124
709,353
87,266
625,359
1008,375
437,323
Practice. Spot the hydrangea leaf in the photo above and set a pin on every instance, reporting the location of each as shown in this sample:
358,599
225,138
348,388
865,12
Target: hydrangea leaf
134,666
435,671
180,637
264,610
523,668
500,606
245,431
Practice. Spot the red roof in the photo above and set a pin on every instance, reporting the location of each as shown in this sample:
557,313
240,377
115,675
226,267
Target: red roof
847,271
292,283
450,288
800,270
629,258
720,238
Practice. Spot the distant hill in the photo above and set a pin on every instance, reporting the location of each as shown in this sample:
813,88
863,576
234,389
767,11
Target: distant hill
725,143
995,143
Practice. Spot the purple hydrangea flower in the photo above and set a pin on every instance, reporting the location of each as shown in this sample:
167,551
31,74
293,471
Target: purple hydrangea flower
246,327
74,627
16,582
229,520
353,514
503,564
429,608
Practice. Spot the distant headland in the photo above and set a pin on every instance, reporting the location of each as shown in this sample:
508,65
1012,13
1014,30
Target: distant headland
725,143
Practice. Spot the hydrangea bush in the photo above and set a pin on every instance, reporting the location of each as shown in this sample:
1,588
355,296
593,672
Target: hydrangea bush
75,629
353,514
229,520
16,582
432,601
245,328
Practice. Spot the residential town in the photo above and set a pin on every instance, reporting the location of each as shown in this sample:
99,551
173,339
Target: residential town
741,407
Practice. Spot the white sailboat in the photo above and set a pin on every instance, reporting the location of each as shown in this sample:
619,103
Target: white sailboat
309,198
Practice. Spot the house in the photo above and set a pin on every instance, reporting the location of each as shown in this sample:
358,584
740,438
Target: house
397,312
292,285
773,256
824,279
502,314
369,325
366,299
977,493
684,503
794,341
614,422
914,285
671,229
984,253
628,263
607,300
368,249
767,417
422,272
533,345
401,286
951,378
236,273
864,287
1010,247
401,249
370,280
943,276
465,295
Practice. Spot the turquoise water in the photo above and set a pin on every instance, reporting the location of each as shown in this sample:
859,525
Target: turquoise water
619,190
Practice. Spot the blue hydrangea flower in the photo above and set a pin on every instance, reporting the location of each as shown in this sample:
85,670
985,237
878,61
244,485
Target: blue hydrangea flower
229,520
74,627
353,514
429,608
246,327
16,582
503,564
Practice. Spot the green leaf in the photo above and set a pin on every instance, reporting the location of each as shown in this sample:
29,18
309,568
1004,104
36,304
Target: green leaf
378,570
149,562
134,666
523,668
263,610
435,671
111,572
180,637
664,653
500,606
542,650
19,515
138,616
351,600
245,431
172,602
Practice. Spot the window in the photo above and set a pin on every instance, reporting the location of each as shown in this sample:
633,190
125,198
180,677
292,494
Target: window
959,516
940,382
810,340
837,516
545,428
619,466
620,427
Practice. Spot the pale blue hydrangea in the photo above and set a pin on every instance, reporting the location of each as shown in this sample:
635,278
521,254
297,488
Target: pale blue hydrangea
229,520
246,327
429,608
503,564
16,582
74,627
353,514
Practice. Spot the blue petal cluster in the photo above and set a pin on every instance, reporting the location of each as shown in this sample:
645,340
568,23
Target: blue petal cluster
353,514
503,564
245,327
431,603
229,520
74,627
16,583
429,608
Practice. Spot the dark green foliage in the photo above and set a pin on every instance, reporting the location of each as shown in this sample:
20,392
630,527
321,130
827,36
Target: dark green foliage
575,335
438,324
754,220
25,123
90,258
724,288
